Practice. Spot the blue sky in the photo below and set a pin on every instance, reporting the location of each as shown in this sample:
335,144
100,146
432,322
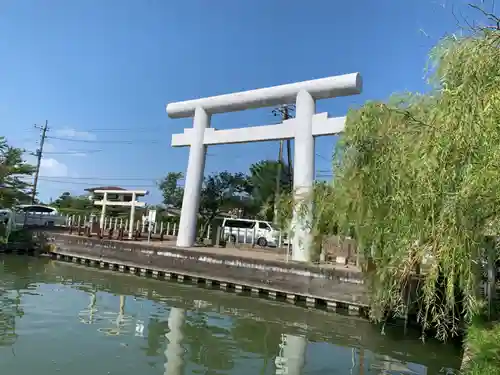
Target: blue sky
101,72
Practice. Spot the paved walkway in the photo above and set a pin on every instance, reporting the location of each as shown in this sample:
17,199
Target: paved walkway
277,254
271,254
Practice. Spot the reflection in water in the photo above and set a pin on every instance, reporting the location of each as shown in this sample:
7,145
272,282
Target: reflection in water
291,355
118,322
174,351
87,315
189,330
9,310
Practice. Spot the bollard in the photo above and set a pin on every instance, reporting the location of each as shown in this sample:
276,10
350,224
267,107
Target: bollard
120,234
218,237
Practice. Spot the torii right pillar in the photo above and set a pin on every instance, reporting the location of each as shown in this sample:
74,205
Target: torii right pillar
303,177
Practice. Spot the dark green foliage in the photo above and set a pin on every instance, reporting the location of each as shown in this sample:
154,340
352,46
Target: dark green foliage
418,177
264,190
14,176
74,205
220,193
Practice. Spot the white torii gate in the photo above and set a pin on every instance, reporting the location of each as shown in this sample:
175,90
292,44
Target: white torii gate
303,128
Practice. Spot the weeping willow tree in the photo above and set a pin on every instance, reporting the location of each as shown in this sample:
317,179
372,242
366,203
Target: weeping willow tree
418,177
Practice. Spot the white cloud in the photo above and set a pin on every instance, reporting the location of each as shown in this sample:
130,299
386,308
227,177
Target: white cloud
73,133
50,167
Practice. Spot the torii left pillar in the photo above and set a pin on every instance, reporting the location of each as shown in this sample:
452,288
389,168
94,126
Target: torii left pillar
194,179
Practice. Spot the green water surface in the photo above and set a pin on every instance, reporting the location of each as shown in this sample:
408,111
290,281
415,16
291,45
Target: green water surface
60,318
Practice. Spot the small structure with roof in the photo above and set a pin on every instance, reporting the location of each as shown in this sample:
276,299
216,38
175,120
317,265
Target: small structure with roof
115,196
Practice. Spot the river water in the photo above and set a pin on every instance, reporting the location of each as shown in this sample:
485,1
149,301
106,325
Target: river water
62,318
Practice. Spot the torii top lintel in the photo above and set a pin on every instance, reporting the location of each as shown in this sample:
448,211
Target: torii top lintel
323,88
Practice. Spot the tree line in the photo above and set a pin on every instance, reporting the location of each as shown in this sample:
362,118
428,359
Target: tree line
251,194
15,175
248,195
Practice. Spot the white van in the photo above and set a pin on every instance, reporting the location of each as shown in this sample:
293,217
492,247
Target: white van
250,231
38,215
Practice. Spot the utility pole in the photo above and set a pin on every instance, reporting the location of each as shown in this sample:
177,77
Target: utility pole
286,116
39,154
284,112
278,182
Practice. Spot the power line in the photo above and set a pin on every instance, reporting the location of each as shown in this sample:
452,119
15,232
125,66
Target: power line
95,151
130,142
81,183
92,178
114,130
324,158
104,130
72,152
151,185
103,178
122,130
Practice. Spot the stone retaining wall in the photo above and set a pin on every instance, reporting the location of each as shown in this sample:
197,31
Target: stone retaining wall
329,284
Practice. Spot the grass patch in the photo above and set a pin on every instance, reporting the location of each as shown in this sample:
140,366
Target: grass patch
483,342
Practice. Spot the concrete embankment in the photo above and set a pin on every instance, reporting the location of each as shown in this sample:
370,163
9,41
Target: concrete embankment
330,287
